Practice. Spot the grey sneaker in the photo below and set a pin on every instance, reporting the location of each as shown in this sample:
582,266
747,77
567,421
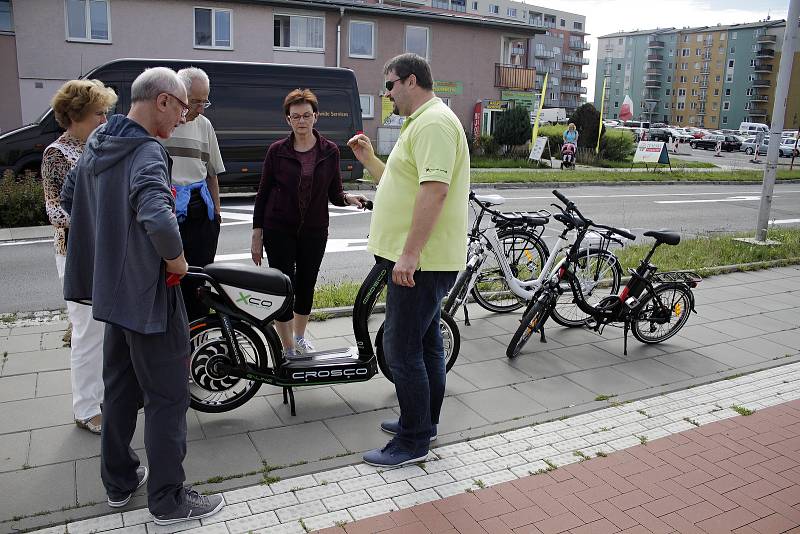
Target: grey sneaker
291,354
302,345
119,502
194,506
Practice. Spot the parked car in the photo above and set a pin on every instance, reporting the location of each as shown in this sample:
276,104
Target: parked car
682,136
785,150
658,134
709,142
246,113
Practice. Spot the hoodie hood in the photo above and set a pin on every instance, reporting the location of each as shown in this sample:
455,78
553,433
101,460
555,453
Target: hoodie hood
113,141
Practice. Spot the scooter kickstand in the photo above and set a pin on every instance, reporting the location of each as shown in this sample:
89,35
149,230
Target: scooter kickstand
291,402
466,316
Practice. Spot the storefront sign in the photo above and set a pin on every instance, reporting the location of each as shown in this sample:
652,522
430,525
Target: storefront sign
444,88
476,121
520,98
496,104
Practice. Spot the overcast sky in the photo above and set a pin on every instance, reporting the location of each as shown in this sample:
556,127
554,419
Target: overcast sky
610,16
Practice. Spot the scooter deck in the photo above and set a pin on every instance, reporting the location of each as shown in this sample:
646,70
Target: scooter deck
327,366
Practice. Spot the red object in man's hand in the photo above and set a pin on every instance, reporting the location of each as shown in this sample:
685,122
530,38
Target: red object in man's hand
173,279
359,132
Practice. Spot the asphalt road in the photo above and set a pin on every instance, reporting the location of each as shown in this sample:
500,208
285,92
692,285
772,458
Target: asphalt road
30,283
737,160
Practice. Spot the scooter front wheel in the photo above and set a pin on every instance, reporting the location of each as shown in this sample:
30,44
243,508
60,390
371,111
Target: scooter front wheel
211,390
451,340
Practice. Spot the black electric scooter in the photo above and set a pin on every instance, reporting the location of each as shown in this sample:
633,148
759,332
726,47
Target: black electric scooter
235,348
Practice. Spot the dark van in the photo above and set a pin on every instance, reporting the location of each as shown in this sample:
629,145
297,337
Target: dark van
246,111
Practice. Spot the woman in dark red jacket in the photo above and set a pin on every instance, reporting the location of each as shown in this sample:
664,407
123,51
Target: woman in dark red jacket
290,219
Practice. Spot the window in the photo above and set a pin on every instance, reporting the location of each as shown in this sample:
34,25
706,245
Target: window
563,23
681,92
685,51
717,78
727,92
728,78
619,66
681,105
696,79
88,20
475,6
747,106
668,90
619,41
666,105
616,91
698,51
724,120
362,39
494,9
417,40
730,63
683,79
669,79
716,92
733,50
511,11
671,52
726,106
685,38
212,28
577,26
733,35
722,37
694,92
749,91
299,32
6,16
699,37
367,106
616,104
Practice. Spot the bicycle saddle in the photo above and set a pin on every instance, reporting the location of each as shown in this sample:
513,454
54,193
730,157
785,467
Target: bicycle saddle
491,200
250,277
664,236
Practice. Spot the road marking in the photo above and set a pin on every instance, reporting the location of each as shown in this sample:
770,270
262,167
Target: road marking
785,221
233,218
708,200
333,246
646,195
26,242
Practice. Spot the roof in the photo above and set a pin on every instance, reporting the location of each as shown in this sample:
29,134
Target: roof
396,11
696,29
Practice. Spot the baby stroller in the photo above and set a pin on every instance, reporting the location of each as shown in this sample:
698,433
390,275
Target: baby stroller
568,156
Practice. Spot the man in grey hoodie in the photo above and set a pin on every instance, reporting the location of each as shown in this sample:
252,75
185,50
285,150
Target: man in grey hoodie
124,241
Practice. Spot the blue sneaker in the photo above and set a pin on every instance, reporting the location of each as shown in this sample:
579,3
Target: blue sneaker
392,426
392,456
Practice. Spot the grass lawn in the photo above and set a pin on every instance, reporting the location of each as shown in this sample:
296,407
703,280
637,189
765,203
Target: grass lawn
702,254
624,176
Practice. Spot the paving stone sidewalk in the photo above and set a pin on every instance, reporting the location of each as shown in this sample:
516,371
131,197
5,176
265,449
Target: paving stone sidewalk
745,322
716,458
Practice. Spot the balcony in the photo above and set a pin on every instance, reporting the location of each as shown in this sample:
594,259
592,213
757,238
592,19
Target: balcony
762,67
655,57
655,44
542,53
653,72
575,60
766,39
703,84
573,89
758,98
705,70
574,75
652,84
765,53
579,45
757,112
651,98
701,112
761,83
514,77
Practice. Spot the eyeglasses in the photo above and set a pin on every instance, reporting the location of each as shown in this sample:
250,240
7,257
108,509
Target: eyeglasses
296,117
183,104
205,103
390,83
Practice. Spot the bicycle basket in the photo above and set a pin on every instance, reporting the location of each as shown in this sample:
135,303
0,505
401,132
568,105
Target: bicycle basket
690,278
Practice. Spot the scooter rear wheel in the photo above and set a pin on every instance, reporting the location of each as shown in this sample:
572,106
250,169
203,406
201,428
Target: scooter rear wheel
451,338
210,389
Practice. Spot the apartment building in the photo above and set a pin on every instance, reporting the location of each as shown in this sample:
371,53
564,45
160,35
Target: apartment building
558,51
710,77
474,58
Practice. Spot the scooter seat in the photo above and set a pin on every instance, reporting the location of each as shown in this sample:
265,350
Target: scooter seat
664,236
250,277
491,200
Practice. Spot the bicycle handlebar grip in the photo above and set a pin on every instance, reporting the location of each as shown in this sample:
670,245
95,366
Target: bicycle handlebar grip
625,234
561,197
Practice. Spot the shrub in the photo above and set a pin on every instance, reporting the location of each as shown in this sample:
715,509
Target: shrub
21,201
489,146
616,146
587,120
513,128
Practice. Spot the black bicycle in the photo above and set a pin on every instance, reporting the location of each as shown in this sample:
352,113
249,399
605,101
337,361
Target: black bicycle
653,305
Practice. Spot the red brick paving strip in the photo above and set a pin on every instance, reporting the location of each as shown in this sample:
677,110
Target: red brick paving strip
738,475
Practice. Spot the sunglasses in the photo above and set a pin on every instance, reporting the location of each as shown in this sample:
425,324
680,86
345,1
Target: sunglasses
390,83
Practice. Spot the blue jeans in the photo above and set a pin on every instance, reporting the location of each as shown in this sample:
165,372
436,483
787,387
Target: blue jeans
412,342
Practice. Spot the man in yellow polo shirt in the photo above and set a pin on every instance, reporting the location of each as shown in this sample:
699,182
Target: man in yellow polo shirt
420,224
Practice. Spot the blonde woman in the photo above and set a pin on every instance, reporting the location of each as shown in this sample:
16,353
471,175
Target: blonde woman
80,106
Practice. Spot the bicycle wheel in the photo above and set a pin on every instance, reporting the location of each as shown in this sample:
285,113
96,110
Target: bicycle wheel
654,322
526,254
531,319
212,391
598,274
451,341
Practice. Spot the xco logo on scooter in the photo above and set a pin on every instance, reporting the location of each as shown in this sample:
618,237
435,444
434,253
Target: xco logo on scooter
253,301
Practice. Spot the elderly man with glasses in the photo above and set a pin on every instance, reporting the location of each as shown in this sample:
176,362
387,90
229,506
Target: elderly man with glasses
123,242
196,163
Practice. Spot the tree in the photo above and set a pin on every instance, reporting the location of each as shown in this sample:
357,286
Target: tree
586,119
513,128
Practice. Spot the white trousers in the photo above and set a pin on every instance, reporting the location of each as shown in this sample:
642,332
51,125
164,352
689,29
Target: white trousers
86,359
